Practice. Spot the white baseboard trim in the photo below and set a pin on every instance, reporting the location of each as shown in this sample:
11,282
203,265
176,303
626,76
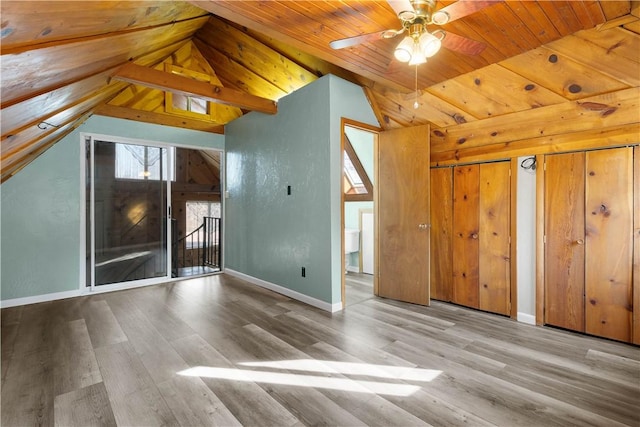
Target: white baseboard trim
353,269
332,308
39,298
526,318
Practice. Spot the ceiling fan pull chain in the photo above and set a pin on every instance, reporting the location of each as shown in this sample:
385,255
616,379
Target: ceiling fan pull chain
416,104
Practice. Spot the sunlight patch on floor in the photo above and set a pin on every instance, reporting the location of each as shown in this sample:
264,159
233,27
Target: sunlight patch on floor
343,384
349,368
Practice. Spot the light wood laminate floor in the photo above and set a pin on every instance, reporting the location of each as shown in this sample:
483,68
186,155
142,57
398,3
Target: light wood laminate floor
218,351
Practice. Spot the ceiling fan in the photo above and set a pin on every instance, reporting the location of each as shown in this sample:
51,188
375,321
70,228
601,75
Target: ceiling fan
420,44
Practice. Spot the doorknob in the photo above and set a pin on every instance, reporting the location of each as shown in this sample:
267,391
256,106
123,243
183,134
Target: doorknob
423,226
580,242
474,236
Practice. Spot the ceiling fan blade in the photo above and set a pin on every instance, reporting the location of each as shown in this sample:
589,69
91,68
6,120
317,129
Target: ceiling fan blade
462,44
462,8
400,5
364,38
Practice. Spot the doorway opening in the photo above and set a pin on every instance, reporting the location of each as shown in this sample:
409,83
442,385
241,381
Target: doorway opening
359,145
153,212
196,220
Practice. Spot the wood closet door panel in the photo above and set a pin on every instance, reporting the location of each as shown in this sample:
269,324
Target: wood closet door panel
441,229
636,245
564,235
608,243
494,262
466,186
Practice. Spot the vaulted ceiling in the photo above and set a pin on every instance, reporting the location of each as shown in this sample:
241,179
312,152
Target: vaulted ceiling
64,61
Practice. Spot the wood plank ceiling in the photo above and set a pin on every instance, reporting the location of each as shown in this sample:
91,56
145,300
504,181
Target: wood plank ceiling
59,59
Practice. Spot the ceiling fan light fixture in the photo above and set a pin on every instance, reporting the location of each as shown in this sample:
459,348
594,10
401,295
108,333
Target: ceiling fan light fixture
404,50
429,44
417,56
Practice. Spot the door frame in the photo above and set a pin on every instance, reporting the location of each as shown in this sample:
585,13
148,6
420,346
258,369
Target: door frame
345,122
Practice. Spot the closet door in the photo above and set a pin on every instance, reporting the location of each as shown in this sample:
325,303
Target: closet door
589,236
608,243
564,237
441,229
494,264
466,199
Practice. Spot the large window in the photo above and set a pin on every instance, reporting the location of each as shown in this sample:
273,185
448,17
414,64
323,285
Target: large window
198,210
143,162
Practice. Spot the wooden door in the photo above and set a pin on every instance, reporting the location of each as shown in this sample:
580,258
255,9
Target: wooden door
403,214
608,243
441,233
494,244
564,237
466,200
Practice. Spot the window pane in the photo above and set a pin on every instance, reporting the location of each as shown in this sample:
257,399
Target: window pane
142,162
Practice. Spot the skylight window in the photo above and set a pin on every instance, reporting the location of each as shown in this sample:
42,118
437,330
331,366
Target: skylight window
357,185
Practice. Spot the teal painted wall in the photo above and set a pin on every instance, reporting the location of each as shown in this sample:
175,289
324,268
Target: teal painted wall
271,235
41,208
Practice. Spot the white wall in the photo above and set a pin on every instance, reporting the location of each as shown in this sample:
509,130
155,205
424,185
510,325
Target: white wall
526,243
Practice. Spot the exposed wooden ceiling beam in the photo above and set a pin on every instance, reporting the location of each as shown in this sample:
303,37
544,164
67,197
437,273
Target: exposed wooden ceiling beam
158,118
175,83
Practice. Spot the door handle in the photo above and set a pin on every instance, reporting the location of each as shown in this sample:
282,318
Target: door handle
580,242
423,226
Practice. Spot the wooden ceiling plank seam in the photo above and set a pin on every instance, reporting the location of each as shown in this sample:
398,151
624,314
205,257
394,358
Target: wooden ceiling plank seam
225,12
32,110
484,26
493,91
561,74
236,76
613,109
158,118
311,63
621,41
560,17
89,59
607,62
252,54
27,137
223,41
507,22
10,169
145,76
88,19
615,9
437,110
378,53
60,117
363,57
538,22
612,136
633,27
194,22
489,55
588,12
